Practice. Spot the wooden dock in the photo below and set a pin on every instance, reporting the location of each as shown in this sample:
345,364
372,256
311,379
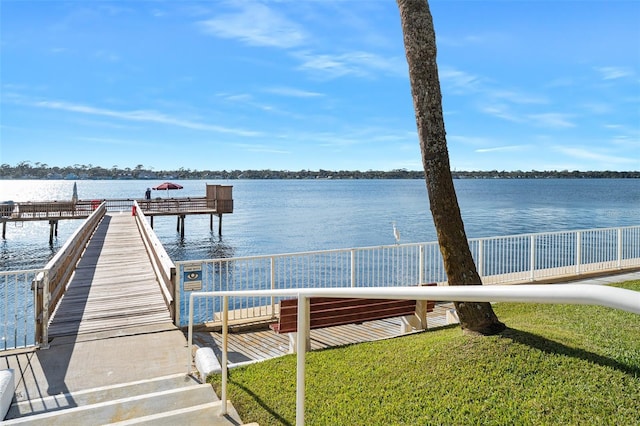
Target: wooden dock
54,211
250,345
114,288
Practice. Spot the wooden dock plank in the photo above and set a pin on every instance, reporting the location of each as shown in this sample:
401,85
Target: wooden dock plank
114,285
261,344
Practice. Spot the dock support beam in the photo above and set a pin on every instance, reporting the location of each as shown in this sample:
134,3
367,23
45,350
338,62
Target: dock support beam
220,224
4,230
53,230
180,225
210,222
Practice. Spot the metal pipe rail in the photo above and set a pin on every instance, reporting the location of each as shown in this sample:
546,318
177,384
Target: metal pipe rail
575,294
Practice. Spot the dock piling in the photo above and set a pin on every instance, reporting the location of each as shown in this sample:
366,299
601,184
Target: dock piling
53,230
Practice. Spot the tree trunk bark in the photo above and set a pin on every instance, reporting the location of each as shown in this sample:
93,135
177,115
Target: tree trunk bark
420,47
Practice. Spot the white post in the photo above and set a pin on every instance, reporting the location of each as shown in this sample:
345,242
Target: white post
532,256
303,335
45,312
619,248
225,330
480,264
272,264
578,251
421,265
190,334
176,291
353,268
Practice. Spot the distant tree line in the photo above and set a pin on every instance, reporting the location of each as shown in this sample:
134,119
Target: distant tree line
28,170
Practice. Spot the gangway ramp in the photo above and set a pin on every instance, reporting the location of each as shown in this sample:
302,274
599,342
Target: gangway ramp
114,290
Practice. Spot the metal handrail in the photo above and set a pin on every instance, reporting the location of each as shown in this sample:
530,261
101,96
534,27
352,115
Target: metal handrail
575,294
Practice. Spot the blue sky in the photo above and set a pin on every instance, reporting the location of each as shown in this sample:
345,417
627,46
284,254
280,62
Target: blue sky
291,85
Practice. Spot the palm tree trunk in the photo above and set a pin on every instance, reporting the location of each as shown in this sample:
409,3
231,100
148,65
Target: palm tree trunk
420,47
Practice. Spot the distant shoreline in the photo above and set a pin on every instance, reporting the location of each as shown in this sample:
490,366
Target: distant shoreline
80,172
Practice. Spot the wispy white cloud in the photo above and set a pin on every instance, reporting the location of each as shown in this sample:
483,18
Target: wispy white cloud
590,154
472,39
148,116
512,148
361,64
113,141
292,92
262,148
501,110
255,24
613,73
247,100
551,119
240,97
469,140
459,81
516,97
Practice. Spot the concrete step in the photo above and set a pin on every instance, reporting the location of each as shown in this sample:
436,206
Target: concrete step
205,414
113,411
97,395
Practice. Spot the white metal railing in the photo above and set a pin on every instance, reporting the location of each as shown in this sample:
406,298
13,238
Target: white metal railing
500,260
29,297
17,313
612,297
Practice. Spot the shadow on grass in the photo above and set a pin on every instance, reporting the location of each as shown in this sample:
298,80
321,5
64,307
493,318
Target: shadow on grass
261,403
549,346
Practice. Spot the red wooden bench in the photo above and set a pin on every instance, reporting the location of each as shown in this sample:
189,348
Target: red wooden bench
330,312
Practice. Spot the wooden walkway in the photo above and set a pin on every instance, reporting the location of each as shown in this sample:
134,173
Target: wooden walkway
114,288
263,343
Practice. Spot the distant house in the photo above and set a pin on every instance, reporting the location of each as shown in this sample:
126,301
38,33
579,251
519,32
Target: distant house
147,175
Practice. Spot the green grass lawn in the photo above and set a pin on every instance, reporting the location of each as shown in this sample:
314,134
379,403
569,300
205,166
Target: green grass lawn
556,364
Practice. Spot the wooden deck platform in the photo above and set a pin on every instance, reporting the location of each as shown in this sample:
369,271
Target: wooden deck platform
263,343
114,288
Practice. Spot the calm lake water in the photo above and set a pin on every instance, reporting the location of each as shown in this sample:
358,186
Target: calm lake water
284,216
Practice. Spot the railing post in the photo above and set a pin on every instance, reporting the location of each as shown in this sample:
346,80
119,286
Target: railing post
272,263
225,332
303,336
176,295
45,312
38,306
421,264
353,268
578,251
480,263
619,248
190,334
532,256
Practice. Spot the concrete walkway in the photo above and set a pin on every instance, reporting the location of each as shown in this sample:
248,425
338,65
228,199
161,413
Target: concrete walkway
89,361
74,364
608,278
